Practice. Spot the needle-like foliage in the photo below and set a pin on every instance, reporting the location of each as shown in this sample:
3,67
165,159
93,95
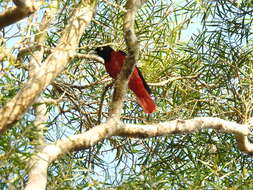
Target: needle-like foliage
197,58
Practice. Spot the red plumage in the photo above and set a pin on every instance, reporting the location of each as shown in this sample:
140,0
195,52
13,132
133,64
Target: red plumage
114,61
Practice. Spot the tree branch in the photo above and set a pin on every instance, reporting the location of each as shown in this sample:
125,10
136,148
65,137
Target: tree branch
40,162
183,126
132,57
23,9
89,56
113,127
40,120
36,59
163,83
188,126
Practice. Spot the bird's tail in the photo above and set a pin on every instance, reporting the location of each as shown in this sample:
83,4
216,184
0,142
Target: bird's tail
147,104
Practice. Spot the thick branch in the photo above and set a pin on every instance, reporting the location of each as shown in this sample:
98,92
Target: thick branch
188,126
132,57
23,9
40,162
37,55
53,65
36,59
113,127
39,122
183,126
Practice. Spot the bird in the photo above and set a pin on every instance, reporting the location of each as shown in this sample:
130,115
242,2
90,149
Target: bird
114,61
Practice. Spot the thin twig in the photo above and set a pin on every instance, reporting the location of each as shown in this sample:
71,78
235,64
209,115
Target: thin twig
102,101
163,83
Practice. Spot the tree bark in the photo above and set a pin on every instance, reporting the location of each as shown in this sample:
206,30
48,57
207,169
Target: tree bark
23,9
51,152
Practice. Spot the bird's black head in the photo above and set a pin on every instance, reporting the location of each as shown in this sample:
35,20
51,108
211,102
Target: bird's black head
104,52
